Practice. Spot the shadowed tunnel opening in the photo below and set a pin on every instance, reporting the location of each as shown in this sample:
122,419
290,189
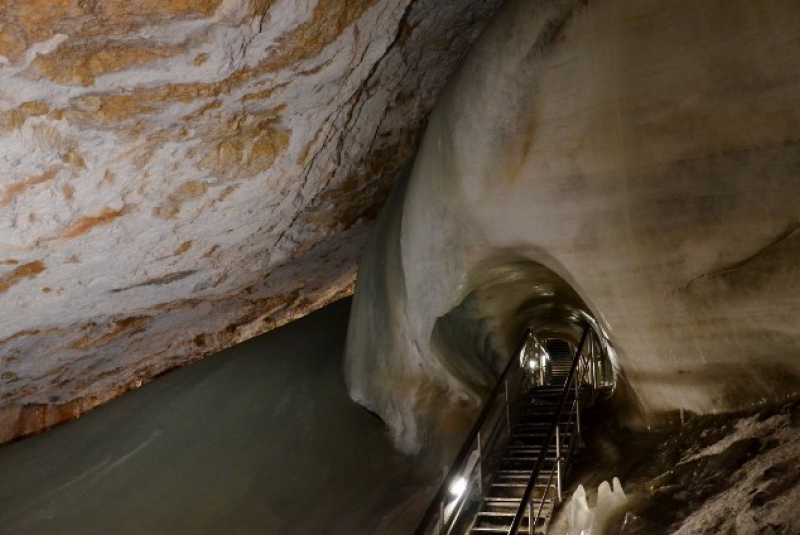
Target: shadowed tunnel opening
510,295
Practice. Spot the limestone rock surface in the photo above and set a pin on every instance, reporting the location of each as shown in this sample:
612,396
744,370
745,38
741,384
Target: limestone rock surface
180,175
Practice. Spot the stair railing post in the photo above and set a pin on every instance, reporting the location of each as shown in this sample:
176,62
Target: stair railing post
594,365
558,462
596,354
531,519
480,466
508,412
578,409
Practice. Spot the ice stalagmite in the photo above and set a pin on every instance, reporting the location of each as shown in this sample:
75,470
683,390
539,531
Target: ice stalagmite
611,503
579,516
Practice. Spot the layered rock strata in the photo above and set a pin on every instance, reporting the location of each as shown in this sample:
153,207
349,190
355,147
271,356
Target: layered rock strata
178,176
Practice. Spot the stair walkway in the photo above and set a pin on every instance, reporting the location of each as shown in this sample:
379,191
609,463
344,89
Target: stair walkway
505,491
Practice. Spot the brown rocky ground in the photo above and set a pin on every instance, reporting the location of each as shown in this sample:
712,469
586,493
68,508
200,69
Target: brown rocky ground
728,474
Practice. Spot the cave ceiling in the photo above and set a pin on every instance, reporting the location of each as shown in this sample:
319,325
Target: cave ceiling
178,176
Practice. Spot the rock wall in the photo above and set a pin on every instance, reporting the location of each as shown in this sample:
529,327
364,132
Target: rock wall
178,176
648,154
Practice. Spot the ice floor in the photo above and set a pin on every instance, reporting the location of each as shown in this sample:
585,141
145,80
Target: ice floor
260,438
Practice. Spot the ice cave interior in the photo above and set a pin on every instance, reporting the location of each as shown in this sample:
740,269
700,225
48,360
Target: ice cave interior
188,179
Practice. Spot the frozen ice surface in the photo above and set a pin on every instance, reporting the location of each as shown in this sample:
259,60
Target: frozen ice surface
261,438
578,158
585,520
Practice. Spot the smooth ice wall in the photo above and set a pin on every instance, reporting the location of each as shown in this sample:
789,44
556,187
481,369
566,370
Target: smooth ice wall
647,153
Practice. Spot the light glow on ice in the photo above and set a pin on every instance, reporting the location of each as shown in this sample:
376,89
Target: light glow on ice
611,503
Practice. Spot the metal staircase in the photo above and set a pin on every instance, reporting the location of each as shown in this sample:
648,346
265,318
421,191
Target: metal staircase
509,481
511,467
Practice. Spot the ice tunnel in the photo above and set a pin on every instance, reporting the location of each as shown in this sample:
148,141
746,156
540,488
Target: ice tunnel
636,162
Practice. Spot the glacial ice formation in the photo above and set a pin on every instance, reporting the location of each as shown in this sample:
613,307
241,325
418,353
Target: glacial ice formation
579,515
585,520
634,161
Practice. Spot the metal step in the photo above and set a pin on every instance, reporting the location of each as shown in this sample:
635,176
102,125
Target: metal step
509,512
548,396
524,461
503,529
533,437
510,472
537,417
511,504
550,392
501,522
517,492
500,500
546,411
520,449
533,425
491,529
505,516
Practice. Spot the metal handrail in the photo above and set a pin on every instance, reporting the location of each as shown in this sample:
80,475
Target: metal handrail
551,432
589,363
436,508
